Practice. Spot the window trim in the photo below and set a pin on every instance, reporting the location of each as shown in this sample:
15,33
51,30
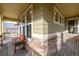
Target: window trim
71,26
31,30
24,13
59,14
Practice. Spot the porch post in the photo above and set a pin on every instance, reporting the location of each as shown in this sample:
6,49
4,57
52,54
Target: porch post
0,26
1,40
78,26
25,25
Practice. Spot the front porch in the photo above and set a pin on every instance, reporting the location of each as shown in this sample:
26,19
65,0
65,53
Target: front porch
69,48
7,49
49,29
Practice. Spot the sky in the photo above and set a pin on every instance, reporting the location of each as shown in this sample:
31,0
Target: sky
9,25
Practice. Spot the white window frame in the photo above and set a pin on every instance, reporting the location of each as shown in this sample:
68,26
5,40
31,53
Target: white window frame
30,23
31,30
26,21
72,26
59,14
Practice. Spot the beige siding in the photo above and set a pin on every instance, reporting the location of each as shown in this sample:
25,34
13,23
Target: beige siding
37,19
43,21
48,25
43,26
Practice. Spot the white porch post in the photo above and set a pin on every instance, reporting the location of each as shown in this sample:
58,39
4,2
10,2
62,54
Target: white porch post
78,25
0,26
21,25
25,25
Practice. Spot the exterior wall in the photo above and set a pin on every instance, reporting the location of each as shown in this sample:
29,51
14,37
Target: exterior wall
37,19
52,31
49,25
45,31
43,15
46,35
37,28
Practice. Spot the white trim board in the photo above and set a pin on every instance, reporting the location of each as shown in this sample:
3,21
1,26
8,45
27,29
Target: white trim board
45,37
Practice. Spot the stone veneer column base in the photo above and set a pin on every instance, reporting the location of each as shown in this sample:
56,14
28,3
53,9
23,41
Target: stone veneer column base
43,48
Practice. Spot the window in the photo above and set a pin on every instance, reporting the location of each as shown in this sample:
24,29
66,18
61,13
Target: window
62,20
58,18
23,19
20,30
29,30
28,25
23,27
23,24
72,26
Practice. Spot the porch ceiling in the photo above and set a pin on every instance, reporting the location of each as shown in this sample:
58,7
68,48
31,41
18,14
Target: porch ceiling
12,10
68,9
